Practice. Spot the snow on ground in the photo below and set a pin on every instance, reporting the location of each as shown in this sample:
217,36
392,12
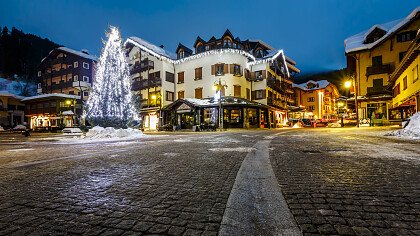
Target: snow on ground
19,127
412,130
99,134
237,149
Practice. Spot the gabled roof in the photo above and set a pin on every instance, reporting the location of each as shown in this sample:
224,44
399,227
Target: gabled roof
152,47
199,40
262,43
321,84
212,39
185,48
357,42
227,33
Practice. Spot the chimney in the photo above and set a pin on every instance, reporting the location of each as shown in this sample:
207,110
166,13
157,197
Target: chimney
161,46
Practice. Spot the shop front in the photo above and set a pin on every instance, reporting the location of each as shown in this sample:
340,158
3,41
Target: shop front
204,113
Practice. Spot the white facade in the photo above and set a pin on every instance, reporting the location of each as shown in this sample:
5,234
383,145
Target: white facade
163,63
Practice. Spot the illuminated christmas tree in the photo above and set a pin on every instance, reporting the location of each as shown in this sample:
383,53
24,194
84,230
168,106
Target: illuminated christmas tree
111,103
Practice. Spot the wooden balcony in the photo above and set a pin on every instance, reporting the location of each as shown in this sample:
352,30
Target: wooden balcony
146,83
142,66
379,69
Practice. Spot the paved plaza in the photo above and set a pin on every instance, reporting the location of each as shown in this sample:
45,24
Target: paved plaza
246,182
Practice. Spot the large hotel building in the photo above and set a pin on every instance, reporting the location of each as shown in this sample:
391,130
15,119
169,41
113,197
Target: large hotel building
255,81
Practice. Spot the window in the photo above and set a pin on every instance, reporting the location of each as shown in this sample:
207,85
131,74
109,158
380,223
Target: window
39,85
405,83
311,99
86,94
39,73
377,61
259,53
85,78
170,77
169,96
219,69
200,48
76,78
406,36
180,77
76,64
401,55
259,94
227,43
235,70
396,90
71,92
181,54
207,47
415,73
260,75
311,108
180,94
85,65
198,73
199,93
236,90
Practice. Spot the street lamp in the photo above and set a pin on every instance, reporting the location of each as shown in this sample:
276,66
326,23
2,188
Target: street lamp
218,85
156,97
348,84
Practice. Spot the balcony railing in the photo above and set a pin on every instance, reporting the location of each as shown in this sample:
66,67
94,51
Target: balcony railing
82,84
142,66
379,69
144,84
279,86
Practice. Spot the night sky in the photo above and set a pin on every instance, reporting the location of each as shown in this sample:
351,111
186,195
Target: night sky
310,31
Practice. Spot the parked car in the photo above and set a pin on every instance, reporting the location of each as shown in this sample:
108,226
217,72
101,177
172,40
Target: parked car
308,122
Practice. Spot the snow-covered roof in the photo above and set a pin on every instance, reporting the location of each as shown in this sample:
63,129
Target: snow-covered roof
51,95
78,53
81,54
153,47
356,42
321,84
171,58
262,43
200,102
5,93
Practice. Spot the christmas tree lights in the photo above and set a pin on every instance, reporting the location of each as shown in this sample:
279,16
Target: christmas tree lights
111,103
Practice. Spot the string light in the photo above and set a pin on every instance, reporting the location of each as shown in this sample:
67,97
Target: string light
254,61
110,102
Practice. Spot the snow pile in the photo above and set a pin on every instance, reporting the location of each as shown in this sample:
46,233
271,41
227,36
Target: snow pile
19,127
412,130
98,132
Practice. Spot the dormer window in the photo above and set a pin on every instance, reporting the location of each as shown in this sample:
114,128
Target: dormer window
259,53
200,48
227,43
374,35
181,54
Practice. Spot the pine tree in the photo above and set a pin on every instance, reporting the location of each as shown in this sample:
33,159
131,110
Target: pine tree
111,103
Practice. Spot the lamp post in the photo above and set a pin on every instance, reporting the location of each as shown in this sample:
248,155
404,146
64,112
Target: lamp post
156,97
348,84
218,85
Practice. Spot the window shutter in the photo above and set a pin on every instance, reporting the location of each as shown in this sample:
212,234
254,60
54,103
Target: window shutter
264,94
213,69
225,69
264,74
253,75
232,68
248,93
253,95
